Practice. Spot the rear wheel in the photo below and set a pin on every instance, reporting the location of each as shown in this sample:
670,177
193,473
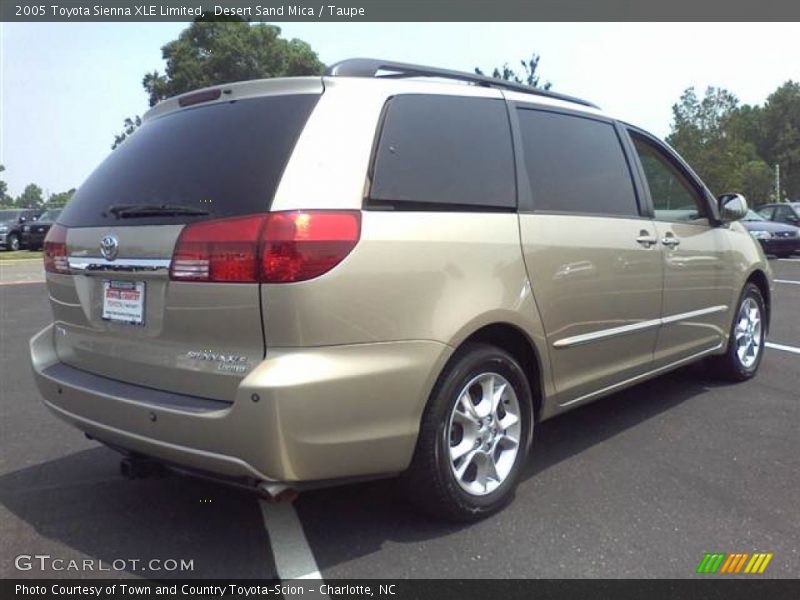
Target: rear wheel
747,336
474,437
12,242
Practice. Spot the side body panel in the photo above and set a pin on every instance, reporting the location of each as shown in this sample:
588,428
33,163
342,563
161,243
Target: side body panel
591,278
703,258
698,285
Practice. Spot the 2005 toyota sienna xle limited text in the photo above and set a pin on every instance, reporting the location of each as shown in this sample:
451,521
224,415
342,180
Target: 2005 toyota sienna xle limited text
296,282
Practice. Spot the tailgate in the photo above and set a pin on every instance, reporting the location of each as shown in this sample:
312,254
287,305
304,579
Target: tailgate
197,339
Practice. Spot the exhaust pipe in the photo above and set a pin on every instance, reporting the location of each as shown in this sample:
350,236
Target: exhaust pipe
276,493
140,468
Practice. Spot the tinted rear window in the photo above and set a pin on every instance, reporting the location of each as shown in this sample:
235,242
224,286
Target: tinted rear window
224,158
444,152
576,165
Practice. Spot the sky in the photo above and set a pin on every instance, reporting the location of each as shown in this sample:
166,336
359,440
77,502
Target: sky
66,88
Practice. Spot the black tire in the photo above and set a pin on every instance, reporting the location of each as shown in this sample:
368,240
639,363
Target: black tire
430,483
783,255
730,366
12,242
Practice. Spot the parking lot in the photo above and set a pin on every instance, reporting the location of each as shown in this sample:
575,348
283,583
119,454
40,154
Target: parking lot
639,484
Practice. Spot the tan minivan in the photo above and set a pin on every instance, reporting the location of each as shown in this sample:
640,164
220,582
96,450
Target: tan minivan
387,270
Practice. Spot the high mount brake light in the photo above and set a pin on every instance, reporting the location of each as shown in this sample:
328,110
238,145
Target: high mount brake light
279,247
199,97
55,250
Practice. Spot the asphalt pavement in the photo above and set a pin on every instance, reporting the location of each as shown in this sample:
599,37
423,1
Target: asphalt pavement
640,484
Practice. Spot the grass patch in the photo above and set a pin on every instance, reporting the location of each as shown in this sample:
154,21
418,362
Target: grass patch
20,255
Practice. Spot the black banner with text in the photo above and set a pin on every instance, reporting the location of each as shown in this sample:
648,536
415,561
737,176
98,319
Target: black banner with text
418,589
401,10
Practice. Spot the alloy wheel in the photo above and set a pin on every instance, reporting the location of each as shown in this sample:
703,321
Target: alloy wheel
484,431
747,333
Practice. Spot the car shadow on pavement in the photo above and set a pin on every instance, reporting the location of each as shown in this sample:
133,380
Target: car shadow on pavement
80,506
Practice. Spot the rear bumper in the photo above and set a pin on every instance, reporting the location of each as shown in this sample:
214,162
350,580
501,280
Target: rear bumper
302,415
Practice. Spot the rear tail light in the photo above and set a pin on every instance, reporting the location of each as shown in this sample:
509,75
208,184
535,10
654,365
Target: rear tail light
55,250
280,247
224,250
297,246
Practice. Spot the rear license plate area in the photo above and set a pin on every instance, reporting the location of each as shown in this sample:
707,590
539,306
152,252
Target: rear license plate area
123,302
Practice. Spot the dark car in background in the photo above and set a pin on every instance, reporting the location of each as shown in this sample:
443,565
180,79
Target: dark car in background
779,239
11,222
782,212
33,233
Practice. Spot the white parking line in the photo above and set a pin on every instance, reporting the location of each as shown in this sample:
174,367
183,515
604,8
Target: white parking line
783,347
787,281
789,259
293,557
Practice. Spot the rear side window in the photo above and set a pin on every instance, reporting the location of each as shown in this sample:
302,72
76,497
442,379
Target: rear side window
575,165
444,153
225,158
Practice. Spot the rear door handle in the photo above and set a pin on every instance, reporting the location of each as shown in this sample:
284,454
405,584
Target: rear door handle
645,239
671,241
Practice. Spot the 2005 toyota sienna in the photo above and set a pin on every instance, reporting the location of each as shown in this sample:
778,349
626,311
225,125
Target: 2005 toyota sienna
387,270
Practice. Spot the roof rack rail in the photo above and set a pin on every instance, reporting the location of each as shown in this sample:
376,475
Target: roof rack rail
369,67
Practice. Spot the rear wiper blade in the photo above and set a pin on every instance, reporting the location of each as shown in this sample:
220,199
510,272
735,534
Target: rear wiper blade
128,211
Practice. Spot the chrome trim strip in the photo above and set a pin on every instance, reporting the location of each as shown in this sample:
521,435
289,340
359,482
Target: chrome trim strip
694,313
626,382
594,336
87,264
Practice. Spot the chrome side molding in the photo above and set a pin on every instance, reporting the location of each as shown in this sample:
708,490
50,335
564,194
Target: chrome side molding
594,336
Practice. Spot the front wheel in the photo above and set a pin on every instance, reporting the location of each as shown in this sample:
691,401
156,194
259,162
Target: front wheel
747,336
13,242
474,437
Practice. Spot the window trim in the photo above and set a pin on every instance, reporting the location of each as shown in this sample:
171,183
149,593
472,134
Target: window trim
681,166
525,193
369,203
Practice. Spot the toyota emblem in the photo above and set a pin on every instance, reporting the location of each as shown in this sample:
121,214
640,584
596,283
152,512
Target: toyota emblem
109,246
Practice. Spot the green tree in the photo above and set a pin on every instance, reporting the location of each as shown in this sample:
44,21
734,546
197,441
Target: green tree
714,134
130,125
213,52
31,197
779,142
60,200
528,76
5,199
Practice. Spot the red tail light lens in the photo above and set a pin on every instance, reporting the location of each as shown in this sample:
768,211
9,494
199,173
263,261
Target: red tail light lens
281,247
301,245
55,250
224,250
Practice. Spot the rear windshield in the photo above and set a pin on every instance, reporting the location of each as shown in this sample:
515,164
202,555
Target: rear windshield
222,159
